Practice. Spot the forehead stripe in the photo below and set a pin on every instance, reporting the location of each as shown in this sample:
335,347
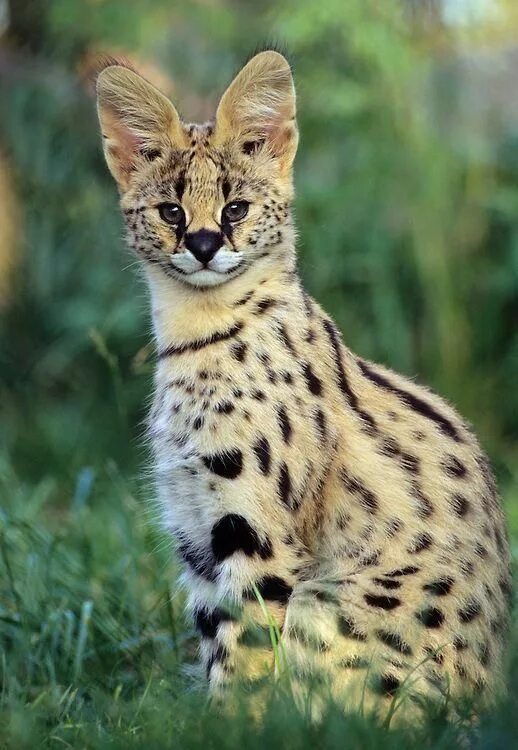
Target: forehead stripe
179,185
225,188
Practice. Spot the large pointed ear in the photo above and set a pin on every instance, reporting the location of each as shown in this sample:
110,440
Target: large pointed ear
259,107
137,121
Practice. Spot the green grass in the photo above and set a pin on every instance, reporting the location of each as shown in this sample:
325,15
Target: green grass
94,643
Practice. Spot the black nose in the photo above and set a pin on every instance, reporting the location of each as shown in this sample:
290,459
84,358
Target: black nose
203,244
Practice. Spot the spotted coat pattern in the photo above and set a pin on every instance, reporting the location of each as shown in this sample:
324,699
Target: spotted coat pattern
356,502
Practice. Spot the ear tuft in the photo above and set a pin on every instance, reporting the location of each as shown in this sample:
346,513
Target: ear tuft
99,63
260,106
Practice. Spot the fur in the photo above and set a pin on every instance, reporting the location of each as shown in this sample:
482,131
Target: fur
359,504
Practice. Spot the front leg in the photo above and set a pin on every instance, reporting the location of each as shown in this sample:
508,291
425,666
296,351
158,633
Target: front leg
252,575
237,539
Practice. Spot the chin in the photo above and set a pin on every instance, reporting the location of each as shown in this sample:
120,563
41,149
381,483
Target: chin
206,278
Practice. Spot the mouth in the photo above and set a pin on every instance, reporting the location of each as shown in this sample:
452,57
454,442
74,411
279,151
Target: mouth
216,271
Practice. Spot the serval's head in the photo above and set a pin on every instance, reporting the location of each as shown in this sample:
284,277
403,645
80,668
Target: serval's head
204,203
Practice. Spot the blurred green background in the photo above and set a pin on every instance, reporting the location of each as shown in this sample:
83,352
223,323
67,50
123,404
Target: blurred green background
407,206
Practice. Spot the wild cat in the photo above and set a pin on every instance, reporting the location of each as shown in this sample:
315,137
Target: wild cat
357,504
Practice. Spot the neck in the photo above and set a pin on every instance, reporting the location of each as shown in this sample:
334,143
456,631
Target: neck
182,313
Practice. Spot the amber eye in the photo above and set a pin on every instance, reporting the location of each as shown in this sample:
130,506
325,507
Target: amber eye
171,213
235,211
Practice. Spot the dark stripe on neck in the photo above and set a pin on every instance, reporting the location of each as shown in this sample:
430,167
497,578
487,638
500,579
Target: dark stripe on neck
414,402
194,346
342,381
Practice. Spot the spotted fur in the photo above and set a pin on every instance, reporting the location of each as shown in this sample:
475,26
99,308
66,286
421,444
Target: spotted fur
358,504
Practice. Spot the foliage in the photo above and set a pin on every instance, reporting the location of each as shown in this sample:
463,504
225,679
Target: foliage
406,207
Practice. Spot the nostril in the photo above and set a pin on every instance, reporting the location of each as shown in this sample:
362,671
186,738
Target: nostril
203,244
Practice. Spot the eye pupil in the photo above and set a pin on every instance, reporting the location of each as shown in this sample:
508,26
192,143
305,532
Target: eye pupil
171,213
236,210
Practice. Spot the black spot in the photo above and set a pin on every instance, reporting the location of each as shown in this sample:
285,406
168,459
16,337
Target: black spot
271,588
470,612
228,464
393,526
460,643
320,420
327,597
389,447
286,340
435,655
424,507
506,588
246,298
313,382
354,662
383,602
461,671
198,423
258,395
414,402
261,449
194,346
198,562
499,538
348,628
484,653
366,497
306,299
453,467
440,587
421,543
467,567
232,533
409,463
386,685
264,304
284,485
431,617
284,423
395,641
387,583
309,639
220,655
408,571
224,407
371,560
238,350
207,622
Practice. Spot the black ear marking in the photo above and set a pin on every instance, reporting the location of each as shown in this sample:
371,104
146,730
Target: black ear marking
150,154
252,147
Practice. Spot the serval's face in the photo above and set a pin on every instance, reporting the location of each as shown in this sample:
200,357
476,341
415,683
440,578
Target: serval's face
203,202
